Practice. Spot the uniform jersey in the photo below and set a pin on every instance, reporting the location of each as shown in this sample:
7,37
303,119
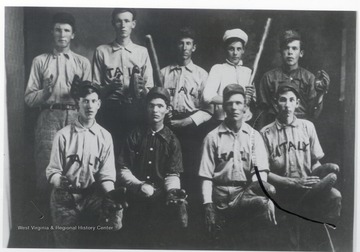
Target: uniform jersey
83,155
301,77
292,148
222,75
113,61
226,155
150,156
63,67
185,85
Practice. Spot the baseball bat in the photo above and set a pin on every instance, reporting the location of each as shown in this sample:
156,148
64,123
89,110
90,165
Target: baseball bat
261,48
154,60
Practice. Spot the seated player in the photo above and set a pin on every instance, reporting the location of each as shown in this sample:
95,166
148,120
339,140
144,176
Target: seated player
82,173
229,182
149,166
304,185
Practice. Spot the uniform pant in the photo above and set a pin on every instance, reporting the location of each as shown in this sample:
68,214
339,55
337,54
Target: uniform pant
68,210
322,201
48,123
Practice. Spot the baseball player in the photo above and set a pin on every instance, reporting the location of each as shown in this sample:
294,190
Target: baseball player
48,88
311,88
229,183
118,67
294,154
303,184
82,173
149,166
185,82
232,71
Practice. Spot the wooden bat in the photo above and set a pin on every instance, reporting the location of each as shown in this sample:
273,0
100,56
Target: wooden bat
261,48
154,61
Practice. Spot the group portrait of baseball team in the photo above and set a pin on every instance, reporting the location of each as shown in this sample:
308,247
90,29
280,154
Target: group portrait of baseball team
146,152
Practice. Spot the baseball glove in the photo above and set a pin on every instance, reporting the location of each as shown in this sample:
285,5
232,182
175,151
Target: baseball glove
113,206
176,198
74,90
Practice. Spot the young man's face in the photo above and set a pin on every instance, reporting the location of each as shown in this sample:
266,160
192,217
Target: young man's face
185,48
235,107
62,35
291,53
157,109
234,52
287,103
89,106
124,24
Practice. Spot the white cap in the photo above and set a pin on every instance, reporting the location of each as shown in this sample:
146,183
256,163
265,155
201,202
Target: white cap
236,33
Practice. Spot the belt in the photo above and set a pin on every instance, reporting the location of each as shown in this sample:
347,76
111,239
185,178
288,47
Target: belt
232,183
60,106
81,190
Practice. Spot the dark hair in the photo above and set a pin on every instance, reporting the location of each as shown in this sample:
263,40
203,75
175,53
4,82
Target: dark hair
232,40
85,91
64,18
155,96
122,10
289,36
186,32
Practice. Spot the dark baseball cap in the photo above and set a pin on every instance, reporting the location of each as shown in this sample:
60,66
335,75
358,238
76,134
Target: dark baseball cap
287,85
82,88
64,18
231,89
157,92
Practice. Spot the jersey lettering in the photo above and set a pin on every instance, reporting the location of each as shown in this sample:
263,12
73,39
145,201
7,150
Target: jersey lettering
226,156
288,146
75,158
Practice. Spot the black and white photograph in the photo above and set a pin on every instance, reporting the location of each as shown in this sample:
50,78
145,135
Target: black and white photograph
143,127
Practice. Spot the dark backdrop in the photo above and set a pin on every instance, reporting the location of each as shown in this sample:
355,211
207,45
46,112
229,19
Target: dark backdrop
322,33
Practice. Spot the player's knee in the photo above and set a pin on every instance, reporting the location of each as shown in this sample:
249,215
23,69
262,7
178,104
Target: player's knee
331,167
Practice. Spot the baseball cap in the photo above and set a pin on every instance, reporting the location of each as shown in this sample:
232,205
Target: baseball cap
64,18
286,86
232,89
289,36
161,92
235,33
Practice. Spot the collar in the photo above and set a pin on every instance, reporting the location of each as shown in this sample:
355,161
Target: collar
67,54
94,129
232,64
280,126
223,129
164,133
190,67
116,46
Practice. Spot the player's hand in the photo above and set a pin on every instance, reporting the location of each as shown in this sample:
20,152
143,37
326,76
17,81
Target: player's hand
271,212
210,217
61,182
49,85
249,93
141,81
304,183
175,196
147,190
116,84
322,81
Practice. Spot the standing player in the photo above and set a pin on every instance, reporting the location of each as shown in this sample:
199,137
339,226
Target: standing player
185,82
303,185
311,88
229,183
232,71
149,166
113,68
49,87
82,173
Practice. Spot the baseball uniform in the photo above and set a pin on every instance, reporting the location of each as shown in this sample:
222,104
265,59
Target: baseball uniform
222,75
59,109
85,156
113,61
227,162
293,149
150,157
